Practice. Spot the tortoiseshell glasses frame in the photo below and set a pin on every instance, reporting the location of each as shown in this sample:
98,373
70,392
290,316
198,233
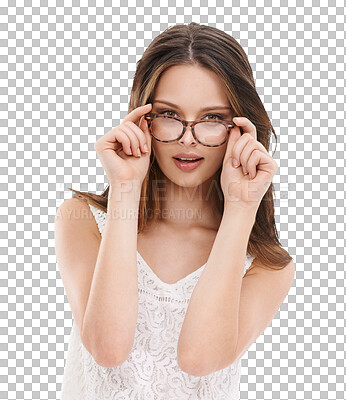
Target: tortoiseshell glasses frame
150,116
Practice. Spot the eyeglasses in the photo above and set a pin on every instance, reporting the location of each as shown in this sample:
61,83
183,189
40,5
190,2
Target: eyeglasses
210,133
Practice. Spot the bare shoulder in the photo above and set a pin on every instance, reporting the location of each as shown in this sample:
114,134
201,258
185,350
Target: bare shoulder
77,211
285,274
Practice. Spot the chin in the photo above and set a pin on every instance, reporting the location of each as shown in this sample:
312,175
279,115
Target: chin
188,180
188,183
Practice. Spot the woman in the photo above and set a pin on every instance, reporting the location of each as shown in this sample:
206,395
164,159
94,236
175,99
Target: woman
176,269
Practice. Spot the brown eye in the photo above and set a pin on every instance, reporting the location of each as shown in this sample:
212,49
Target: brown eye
215,115
166,111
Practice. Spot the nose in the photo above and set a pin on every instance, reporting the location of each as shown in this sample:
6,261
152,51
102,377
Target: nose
188,136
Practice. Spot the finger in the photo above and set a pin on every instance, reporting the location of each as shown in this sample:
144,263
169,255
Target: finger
142,133
262,162
134,141
245,158
140,136
260,147
143,125
135,114
245,155
253,162
242,144
246,125
125,141
238,148
232,139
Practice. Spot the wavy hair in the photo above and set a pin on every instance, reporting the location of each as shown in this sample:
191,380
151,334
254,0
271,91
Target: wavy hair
208,47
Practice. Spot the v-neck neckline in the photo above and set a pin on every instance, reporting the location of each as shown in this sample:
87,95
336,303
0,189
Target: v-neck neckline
180,281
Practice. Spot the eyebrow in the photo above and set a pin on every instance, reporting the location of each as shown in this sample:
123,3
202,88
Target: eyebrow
201,109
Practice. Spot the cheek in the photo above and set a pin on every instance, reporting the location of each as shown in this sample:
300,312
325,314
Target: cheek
217,157
160,154
157,151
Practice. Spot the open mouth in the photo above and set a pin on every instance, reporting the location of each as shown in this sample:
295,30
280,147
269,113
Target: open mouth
183,160
187,165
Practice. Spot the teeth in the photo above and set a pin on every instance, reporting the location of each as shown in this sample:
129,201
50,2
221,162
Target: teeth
188,159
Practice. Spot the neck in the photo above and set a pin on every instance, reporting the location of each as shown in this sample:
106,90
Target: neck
186,207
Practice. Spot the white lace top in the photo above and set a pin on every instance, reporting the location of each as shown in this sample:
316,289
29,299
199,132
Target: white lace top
151,371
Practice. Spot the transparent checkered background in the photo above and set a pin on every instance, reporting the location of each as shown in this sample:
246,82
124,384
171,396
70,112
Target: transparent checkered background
66,75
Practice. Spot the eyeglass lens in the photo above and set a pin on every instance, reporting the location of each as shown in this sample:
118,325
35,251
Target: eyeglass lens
208,132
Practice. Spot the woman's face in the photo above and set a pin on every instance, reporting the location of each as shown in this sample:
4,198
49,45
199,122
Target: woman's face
190,88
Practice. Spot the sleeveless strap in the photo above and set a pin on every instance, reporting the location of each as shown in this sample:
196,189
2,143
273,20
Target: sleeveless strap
248,262
100,217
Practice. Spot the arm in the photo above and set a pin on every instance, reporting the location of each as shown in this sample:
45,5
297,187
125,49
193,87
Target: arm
111,313
210,328
227,312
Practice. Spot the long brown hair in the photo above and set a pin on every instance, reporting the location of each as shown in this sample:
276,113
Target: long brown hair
209,47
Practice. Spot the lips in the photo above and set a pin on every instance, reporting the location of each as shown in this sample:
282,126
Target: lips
188,155
188,166
195,159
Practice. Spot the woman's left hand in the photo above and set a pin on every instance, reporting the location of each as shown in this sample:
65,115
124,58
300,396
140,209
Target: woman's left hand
246,191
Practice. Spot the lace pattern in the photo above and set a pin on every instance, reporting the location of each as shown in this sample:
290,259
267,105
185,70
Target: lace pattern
151,371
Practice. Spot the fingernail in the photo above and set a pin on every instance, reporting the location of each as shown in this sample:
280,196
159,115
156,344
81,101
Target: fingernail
146,147
138,152
235,163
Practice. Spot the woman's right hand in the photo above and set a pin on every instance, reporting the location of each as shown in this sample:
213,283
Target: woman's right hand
115,147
